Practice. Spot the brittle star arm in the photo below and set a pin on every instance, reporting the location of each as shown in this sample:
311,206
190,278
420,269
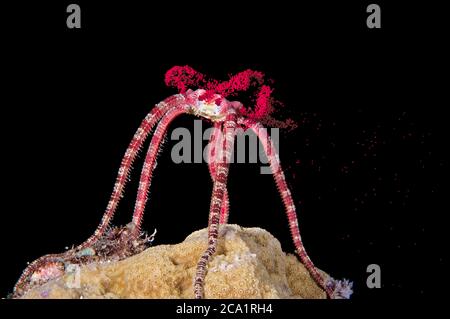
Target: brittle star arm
138,139
215,142
219,187
130,155
149,165
280,180
22,284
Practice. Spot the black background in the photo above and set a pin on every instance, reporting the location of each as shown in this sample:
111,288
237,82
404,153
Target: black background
366,165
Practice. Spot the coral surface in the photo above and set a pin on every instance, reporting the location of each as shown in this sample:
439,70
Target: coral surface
249,263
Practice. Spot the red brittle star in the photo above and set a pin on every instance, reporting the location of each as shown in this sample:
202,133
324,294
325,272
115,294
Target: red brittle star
210,101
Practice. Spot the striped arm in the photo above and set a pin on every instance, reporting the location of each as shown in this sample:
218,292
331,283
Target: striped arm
130,155
136,143
288,202
214,142
219,187
149,165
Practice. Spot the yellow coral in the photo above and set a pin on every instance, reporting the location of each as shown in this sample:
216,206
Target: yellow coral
249,263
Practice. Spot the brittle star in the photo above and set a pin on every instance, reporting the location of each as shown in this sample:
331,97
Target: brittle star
209,101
